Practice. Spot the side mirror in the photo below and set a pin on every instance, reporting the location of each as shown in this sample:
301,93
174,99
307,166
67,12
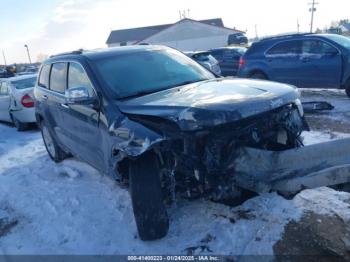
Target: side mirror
78,95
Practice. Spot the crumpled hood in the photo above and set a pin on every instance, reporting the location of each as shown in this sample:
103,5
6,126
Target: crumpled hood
213,102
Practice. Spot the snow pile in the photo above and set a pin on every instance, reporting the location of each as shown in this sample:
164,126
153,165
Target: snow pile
315,137
69,208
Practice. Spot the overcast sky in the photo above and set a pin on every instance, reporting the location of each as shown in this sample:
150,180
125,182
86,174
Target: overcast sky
51,26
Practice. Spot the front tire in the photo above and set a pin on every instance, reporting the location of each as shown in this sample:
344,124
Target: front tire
147,200
52,148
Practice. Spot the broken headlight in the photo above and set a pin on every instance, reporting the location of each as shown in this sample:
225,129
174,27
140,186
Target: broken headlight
299,105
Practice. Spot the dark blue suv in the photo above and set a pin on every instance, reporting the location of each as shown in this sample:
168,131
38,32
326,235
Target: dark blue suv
303,60
160,123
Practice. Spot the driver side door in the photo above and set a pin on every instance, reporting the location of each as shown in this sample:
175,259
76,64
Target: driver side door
82,120
321,64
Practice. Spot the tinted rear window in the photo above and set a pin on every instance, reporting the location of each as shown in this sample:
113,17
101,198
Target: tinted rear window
24,83
44,76
286,48
205,57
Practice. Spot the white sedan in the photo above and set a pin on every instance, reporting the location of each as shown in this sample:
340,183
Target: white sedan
17,100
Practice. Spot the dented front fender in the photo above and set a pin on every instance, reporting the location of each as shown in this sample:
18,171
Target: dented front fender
132,138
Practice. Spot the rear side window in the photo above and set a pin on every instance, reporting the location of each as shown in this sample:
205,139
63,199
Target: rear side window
3,89
230,55
202,57
44,76
58,77
77,77
217,54
286,48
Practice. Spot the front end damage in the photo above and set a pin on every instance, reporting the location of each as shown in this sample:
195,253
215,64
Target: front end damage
259,153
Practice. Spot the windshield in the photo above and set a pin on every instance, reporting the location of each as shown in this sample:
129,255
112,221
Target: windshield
24,83
149,71
341,40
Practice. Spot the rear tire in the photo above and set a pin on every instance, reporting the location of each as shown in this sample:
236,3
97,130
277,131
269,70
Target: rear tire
258,75
18,124
147,200
347,88
52,148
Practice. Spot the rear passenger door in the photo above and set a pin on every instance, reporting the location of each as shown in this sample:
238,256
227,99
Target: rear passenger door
283,60
4,102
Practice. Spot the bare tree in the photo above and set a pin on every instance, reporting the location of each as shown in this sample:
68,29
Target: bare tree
41,57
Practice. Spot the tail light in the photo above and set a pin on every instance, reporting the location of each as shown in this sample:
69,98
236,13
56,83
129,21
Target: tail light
241,62
27,101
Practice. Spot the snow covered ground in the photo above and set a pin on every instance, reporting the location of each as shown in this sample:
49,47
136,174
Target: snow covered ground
69,208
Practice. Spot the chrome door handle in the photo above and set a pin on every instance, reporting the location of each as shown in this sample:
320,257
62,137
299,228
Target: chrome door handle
65,106
45,97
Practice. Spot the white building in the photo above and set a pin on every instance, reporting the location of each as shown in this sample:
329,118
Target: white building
187,34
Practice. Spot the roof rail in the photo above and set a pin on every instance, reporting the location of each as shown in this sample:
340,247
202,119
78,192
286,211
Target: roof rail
284,36
75,52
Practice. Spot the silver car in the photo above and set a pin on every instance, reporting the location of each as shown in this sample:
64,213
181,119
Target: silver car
205,59
17,100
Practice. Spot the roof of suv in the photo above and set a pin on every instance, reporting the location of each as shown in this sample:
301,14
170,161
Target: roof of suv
291,36
105,52
282,36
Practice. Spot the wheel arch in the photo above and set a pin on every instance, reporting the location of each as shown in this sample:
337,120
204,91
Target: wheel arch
39,118
258,71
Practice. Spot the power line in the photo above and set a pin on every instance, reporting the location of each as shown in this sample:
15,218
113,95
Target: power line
312,10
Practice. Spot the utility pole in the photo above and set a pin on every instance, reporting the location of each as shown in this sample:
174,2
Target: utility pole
298,26
26,46
312,10
256,32
3,55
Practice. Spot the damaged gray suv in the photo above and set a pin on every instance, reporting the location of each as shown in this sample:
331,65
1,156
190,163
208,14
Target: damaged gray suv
160,123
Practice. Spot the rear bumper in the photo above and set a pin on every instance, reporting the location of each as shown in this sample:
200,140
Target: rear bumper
26,115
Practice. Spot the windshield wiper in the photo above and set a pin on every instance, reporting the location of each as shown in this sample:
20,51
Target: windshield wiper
185,83
142,93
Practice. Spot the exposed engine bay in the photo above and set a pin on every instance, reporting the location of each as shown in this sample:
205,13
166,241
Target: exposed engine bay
201,163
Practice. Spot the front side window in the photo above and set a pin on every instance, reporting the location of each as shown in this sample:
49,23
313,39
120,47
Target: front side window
340,40
292,47
148,71
44,76
77,77
24,83
318,47
58,77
